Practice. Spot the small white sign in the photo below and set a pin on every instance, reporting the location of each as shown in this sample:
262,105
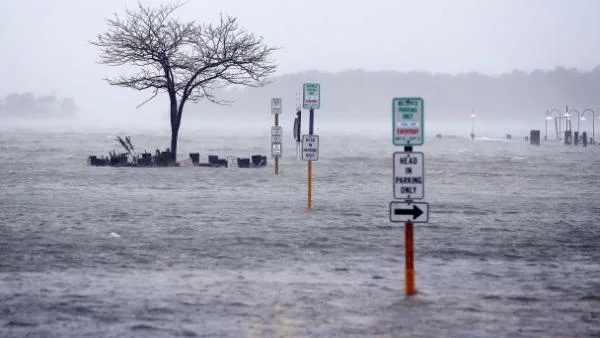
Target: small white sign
310,147
409,175
311,96
276,105
275,149
276,138
416,212
231,162
276,131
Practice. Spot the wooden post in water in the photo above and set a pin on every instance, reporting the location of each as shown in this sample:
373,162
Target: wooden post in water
276,157
409,269
310,132
409,258
309,200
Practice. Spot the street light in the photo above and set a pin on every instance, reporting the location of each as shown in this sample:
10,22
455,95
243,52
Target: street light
578,117
593,122
557,127
473,126
568,125
548,118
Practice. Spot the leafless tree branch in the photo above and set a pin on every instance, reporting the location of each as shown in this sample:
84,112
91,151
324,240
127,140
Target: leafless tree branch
186,60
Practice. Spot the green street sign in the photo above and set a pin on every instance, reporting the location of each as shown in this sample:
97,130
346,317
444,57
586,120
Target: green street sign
407,121
311,96
276,105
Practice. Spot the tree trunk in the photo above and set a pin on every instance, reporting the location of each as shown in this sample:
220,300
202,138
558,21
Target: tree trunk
175,123
174,135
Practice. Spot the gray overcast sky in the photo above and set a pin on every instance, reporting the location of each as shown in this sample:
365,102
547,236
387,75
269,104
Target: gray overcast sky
45,42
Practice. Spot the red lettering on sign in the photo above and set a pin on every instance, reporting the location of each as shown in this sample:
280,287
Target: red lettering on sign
407,131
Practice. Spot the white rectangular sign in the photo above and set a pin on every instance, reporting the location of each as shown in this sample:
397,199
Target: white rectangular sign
409,175
311,96
416,212
276,105
276,131
310,147
231,162
275,149
407,121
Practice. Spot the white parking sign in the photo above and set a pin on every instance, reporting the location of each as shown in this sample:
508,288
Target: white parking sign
310,147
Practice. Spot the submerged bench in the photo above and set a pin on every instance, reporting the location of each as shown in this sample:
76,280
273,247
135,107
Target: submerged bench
255,161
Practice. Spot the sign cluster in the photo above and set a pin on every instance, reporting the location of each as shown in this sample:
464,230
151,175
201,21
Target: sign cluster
311,98
408,167
276,131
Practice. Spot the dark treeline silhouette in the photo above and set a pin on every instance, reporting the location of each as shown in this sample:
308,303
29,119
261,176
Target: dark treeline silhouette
26,105
358,94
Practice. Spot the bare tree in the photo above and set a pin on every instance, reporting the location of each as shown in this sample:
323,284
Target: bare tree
185,60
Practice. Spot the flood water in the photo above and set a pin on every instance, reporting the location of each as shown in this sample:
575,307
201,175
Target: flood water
512,248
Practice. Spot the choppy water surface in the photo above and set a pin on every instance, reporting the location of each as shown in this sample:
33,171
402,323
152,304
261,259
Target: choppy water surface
512,247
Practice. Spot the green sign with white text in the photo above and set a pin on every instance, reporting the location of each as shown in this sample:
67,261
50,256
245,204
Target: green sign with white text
407,121
311,96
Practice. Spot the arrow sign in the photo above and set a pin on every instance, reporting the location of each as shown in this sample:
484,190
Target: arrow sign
417,212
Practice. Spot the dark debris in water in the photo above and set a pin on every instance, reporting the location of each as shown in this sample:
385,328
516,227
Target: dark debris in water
16,323
353,214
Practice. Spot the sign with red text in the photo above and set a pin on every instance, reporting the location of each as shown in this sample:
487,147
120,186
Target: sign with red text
407,119
311,96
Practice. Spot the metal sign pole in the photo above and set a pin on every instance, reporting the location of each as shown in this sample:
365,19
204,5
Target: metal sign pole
310,132
409,269
409,258
277,157
298,132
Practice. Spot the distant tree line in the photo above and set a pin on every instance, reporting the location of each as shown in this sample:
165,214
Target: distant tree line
20,105
360,94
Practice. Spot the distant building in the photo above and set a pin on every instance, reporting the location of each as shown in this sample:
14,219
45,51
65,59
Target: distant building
26,105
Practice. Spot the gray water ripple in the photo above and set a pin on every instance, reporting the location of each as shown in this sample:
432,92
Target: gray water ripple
511,248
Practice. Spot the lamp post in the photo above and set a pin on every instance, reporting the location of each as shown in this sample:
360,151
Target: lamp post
548,118
567,118
473,126
557,127
578,117
593,122
568,128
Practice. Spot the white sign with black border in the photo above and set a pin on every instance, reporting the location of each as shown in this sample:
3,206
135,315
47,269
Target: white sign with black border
310,147
416,212
275,150
409,175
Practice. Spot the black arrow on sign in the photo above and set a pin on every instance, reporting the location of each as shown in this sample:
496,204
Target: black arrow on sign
415,212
